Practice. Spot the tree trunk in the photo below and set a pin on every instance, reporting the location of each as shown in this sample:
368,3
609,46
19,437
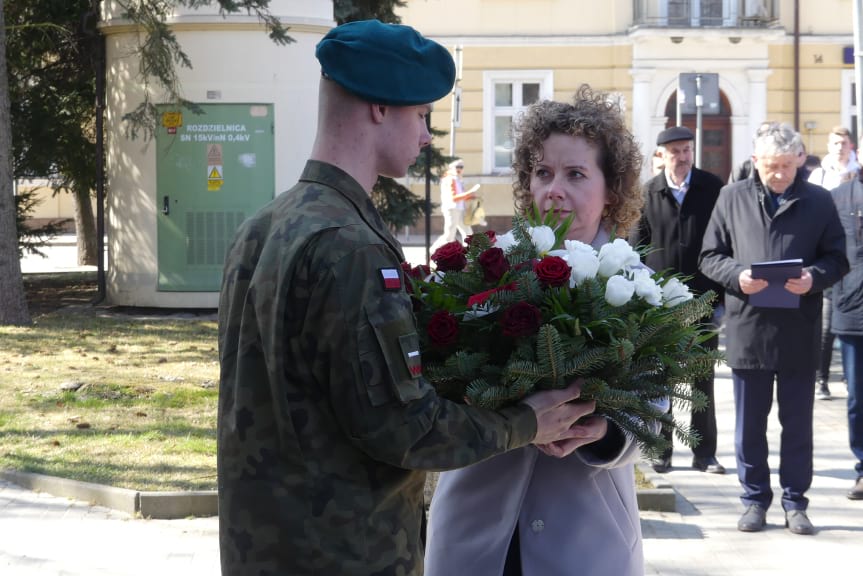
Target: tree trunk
85,228
13,302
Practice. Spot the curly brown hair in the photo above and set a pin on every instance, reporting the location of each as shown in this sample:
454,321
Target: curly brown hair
599,120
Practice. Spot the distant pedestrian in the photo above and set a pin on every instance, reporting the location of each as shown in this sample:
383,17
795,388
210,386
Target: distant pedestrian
840,163
453,205
677,206
847,321
838,166
657,162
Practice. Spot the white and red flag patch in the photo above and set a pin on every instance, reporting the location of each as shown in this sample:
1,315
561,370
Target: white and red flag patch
391,278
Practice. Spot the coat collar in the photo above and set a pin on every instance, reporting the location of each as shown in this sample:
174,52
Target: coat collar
346,185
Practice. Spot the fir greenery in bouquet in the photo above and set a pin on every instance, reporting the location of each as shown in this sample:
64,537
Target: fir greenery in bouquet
527,310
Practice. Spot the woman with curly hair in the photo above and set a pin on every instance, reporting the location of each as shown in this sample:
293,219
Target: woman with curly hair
524,512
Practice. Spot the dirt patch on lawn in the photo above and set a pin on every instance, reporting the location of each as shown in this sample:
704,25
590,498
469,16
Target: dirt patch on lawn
52,291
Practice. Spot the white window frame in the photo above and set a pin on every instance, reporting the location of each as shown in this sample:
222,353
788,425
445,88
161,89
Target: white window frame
729,13
847,110
545,78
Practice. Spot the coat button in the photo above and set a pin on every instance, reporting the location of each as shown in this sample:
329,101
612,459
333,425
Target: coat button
537,525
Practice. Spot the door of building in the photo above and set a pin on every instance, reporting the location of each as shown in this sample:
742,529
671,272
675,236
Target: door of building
716,136
213,171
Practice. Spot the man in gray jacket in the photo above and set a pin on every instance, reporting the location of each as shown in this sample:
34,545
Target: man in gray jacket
774,215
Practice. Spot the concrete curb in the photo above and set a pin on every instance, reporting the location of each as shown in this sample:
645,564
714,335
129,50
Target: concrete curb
660,498
172,505
160,505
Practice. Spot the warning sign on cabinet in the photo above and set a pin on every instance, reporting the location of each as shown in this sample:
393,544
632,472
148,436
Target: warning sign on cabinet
215,178
215,168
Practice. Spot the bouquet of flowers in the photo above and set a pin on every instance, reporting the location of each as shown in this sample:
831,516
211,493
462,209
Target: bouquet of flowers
527,310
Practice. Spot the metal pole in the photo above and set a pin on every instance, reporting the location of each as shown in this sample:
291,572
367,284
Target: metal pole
858,66
455,116
428,209
680,96
699,103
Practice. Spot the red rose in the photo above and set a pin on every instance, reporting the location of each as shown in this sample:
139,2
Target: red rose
521,319
488,234
442,328
420,271
494,264
553,271
450,257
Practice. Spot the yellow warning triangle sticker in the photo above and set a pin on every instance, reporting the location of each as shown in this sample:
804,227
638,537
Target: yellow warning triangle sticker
214,174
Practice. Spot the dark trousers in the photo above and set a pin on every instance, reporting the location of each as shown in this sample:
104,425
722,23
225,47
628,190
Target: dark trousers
704,421
512,566
753,399
852,363
825,354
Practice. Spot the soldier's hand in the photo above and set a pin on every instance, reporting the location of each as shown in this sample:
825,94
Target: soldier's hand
588,429
556,416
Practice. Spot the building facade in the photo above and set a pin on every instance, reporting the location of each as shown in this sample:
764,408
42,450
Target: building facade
784,60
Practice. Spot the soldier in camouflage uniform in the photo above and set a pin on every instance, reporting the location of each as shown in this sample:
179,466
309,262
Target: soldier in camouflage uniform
325,422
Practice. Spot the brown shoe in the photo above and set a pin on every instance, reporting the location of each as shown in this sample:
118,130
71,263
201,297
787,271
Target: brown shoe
856,493
798,522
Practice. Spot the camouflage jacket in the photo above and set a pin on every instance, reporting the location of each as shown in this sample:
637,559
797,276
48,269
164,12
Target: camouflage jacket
325,422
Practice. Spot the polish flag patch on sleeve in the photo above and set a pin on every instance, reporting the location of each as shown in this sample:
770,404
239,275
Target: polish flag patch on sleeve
392,280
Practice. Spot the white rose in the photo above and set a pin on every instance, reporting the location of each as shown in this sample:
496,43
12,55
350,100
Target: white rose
542,238
505,241
646,287
583,260
619,290
675,292
616,256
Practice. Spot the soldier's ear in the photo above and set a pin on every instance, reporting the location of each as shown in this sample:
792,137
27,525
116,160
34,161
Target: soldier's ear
378,112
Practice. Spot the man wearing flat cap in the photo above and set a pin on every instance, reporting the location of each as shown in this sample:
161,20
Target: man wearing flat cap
677,207
325,421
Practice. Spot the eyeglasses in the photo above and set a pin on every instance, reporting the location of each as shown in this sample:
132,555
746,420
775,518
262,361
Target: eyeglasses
460,167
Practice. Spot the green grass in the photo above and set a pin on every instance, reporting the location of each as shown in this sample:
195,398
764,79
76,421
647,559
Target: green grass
144,416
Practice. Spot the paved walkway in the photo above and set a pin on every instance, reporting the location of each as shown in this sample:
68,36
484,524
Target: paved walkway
45,535
701,538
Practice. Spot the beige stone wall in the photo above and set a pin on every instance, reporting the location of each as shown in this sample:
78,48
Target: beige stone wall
600,47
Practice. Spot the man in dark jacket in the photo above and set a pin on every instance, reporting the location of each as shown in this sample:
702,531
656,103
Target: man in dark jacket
677,206
774,215
847,321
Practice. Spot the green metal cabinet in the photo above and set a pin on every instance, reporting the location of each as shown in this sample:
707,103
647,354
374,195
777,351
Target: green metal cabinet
213,171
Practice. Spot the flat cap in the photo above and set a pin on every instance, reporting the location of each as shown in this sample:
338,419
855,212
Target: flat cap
387,64
674,134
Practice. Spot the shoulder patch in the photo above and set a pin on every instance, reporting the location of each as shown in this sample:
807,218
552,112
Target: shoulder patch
391,279
411,351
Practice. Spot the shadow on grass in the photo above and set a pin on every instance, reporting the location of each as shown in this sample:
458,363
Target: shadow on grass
172,429
134,476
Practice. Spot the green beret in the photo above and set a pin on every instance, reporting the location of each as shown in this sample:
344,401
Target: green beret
386,63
